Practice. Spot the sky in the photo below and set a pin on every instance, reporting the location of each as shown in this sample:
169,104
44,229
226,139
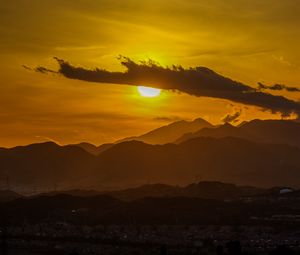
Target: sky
252,42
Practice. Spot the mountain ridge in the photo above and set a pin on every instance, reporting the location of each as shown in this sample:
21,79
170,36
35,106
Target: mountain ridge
227,158
168,133
264,131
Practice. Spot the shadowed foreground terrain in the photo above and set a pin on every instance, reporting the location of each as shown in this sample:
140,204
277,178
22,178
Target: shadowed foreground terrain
180,218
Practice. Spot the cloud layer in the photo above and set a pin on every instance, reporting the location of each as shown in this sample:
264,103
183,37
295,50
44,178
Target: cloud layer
198,81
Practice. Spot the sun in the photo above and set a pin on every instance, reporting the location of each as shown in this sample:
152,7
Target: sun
148,91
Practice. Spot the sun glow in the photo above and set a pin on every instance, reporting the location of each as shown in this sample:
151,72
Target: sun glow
148,91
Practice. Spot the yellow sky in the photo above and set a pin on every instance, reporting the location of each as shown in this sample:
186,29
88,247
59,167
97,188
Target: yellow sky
247,40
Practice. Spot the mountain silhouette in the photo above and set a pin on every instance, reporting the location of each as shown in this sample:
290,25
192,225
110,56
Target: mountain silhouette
93,149
263,131
229,159
161,135
256,159
45,165
169,133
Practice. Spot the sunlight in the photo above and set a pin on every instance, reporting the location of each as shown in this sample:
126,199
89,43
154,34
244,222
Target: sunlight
148,91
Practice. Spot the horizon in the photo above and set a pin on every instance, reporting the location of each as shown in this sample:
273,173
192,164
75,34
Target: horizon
124,138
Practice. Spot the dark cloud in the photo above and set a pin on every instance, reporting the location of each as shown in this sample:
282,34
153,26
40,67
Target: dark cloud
44,70
232,118
198,81
40,69
27,68
278,87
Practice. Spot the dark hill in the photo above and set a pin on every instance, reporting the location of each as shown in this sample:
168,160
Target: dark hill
93,149
46,165
130,164
231,160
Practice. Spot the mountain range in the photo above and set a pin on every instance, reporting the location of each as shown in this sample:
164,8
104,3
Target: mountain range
161,135
171,132
260,153
262,131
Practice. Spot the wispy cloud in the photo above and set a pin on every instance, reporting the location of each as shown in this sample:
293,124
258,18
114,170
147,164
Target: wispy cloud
278,87
40,69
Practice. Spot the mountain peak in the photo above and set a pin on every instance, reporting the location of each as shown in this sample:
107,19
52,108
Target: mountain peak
262,131
170,132
200,120
42,145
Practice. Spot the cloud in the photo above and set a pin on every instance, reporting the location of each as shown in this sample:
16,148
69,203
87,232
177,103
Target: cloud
40,69
198,81
167,118
232,117
278,87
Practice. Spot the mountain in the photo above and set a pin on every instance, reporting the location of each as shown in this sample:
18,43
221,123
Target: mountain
263,131
169,133
226,130
130,164
161,135
93,149
45,165
229,159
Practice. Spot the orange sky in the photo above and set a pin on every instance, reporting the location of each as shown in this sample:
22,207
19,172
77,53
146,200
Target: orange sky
249,41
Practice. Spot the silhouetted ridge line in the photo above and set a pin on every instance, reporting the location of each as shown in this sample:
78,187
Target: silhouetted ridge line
248,156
